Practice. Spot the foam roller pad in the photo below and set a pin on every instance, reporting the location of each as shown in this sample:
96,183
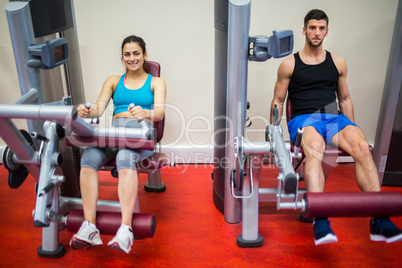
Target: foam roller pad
353,204
144,225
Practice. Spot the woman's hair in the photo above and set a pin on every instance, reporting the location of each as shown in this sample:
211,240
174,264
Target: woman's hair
315,14
140,42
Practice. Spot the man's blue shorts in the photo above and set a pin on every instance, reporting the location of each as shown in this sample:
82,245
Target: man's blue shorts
326,124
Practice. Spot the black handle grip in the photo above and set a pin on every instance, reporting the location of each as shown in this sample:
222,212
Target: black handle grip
47,189
275,115
150,134
299,136
38,136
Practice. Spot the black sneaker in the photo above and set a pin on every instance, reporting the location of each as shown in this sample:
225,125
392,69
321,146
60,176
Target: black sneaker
323,233
382,229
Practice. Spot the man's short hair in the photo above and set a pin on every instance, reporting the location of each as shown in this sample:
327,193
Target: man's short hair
315,14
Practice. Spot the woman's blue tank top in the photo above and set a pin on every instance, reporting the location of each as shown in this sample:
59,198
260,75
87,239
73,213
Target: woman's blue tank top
123,96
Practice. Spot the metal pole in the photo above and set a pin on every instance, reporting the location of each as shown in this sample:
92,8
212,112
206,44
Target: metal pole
22,36
249,236
221,46
391,94
238,42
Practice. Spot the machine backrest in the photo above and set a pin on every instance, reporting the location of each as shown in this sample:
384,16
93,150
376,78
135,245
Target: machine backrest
155,70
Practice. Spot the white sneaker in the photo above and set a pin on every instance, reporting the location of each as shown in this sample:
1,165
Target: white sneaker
86,237
123,240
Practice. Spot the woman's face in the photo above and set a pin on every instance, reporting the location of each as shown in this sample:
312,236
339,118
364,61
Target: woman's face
133,57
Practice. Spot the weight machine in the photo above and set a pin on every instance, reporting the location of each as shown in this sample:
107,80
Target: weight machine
43,35
238,181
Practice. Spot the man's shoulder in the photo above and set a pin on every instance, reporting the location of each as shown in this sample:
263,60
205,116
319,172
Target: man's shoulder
339,62
336,58
288,63
285,69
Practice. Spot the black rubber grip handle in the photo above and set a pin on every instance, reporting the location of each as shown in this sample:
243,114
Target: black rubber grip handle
299,136
47,189
150,134
38,136
275,115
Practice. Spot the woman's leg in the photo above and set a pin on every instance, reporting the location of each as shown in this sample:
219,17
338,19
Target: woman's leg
127,190
126,162
92,160
89,184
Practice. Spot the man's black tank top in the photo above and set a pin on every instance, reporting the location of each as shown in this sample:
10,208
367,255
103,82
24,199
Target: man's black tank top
312,88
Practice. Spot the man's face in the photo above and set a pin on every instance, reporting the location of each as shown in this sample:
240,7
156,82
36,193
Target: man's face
315,32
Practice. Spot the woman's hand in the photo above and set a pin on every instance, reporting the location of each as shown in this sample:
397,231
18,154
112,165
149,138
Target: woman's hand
84,111
138,113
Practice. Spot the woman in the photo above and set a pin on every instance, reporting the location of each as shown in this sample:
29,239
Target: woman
149,96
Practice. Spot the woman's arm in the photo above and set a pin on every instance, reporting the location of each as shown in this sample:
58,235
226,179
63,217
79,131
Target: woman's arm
103,100
158,87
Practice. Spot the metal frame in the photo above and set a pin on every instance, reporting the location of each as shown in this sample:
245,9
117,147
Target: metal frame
391,96
50,206
49,160
243,187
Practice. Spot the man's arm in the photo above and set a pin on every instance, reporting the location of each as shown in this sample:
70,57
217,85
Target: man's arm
344,100
285,71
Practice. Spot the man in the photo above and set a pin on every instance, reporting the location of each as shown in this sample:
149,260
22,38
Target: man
314,79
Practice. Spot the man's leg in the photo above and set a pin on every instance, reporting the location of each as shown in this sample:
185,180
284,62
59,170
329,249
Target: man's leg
314,147
352,140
